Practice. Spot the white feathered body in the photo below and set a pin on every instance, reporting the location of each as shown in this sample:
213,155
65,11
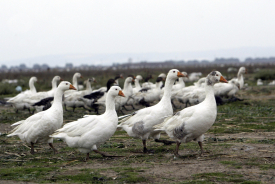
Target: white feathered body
88,133
38,127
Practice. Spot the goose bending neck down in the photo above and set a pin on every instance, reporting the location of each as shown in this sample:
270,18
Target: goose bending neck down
87,133
38,127
192,122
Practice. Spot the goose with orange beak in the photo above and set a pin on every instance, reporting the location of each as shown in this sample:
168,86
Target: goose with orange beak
140,123
38,127
191,123
86,134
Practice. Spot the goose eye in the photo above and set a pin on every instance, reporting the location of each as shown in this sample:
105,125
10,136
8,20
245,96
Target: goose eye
116,88
173,71
217,75
66,83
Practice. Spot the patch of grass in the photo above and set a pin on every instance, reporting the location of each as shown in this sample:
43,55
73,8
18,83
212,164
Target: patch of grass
232,164
25,174
87,176
129,174
220,177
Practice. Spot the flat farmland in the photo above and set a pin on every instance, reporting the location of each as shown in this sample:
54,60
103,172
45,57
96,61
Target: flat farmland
240,148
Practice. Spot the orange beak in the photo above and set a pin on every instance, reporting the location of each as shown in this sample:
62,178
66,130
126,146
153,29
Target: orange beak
61,79
120,93
72,87
81,76
222,79
180,74
187,76
245,71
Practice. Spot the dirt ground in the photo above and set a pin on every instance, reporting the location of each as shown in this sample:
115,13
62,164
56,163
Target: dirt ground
244,157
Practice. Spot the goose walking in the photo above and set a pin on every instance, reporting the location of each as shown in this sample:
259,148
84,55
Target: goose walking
140,123
191,123
38,127
86,134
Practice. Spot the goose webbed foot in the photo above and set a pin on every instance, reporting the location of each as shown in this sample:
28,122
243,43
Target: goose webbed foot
165,142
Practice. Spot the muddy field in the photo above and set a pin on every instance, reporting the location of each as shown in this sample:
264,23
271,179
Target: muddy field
240,148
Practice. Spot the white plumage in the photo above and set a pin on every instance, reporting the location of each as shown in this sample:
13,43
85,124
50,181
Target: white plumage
86,134
140,123
192,122
38,127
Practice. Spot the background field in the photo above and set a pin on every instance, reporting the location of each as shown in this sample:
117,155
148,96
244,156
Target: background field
240,147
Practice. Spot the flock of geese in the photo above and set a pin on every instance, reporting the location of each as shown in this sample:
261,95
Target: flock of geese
88,133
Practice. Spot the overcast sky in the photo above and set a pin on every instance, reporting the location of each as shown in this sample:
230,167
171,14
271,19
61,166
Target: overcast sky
39,28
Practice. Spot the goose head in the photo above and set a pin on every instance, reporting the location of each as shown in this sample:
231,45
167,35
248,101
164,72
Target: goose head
57,78
174,74
77,75
91,80
120,76
214,77
116,91
242,70
162,76
65,85
33,79
129,79
185,74
138,77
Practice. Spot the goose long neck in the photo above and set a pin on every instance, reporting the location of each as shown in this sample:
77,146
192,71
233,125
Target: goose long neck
128,89
88,86
181,82
75,83
137,85
31,85
54,84
240,75
57,102
209,91
167,90
110,104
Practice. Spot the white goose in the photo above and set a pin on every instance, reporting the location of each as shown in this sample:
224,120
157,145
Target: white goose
75,84
183,94
127,91
36,97
16,101
38,127
240,77
86,134
149,95
192,122
137,84
140,123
